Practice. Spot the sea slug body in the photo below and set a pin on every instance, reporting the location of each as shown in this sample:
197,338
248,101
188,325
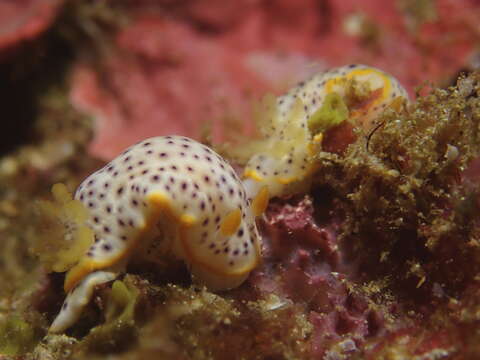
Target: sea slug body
296,122
173,194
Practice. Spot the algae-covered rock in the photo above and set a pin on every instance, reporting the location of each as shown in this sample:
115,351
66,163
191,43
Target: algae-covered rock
407,188
16,336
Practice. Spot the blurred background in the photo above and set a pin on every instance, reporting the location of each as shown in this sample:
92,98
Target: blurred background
137,68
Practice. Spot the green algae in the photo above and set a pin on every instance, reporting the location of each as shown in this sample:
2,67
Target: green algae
119,330
16,336
332,112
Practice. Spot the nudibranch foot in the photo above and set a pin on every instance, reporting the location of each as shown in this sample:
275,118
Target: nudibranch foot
216,282
78,298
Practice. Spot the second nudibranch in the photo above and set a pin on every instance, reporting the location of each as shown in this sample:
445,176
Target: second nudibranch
294,124
175,196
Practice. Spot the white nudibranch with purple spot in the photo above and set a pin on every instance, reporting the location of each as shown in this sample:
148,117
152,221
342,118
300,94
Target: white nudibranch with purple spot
173,194
284,158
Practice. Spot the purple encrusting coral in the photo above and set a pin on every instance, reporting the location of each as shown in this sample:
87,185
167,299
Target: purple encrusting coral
304,261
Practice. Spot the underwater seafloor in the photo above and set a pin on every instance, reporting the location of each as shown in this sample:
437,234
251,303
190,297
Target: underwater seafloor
379,260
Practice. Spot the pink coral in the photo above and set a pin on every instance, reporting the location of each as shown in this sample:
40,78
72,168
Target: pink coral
204,62
23,20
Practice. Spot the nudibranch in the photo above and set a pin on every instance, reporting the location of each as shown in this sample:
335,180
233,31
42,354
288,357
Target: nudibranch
179,197
294,124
